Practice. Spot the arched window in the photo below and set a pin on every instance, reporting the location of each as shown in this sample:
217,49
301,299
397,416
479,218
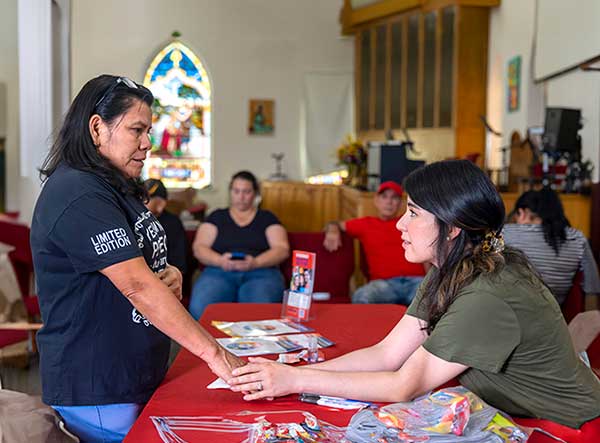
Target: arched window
181,129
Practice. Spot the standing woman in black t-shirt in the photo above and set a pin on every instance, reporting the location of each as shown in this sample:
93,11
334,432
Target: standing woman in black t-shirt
108,296
241,247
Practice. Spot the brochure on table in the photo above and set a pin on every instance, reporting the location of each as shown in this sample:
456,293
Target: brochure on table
260,327
247,346
296,303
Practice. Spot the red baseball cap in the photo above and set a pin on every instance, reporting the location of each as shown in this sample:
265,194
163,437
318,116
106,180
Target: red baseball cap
390,185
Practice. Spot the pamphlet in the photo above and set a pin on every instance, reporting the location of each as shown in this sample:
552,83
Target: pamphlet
303,272
247,346
297,301
260,327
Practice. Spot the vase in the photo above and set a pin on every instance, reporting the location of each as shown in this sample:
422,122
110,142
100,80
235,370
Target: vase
357,176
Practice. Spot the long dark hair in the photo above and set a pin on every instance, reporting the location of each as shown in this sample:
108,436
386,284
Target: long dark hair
460,195
547,206
110,99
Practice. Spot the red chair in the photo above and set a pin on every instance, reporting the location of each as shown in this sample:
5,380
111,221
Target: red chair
16,233
333,269
575,301
588,433
11,336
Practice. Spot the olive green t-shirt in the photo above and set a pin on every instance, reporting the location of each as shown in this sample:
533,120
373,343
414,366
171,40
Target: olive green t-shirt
510,332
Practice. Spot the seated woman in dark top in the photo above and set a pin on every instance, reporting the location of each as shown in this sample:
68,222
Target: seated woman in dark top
241,247
556,250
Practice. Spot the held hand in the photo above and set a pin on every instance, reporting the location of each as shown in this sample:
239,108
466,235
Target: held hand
171,276
226,263
224,363
247,264
264,379
333,240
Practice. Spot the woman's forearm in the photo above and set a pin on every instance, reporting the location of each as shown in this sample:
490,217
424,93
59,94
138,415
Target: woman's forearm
369,386
271,257
373,358
419,374
387,355
155,301
207,256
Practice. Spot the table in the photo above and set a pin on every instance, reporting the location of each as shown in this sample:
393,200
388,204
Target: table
183,391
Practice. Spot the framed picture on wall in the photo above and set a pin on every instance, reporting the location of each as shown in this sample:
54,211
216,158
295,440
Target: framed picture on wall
261,117
514,83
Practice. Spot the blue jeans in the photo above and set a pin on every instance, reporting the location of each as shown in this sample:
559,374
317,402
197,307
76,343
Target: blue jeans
102,423
397,290
263,285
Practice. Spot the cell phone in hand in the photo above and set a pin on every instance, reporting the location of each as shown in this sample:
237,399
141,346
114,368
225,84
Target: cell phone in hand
238,255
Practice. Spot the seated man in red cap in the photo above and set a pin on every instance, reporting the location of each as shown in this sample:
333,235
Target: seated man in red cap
392,278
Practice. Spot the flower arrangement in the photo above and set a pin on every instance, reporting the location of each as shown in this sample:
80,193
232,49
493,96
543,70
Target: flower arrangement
352,153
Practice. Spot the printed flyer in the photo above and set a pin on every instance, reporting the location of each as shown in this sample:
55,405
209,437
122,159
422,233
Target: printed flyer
248,346
259,327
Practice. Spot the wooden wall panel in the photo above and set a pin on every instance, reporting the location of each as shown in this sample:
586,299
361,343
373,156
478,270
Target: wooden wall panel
301,207
471,80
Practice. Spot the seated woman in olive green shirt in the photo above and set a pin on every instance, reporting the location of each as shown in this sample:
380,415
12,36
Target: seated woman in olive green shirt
482,314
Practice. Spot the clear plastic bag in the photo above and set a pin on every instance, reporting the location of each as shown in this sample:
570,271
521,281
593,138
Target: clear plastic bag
453,415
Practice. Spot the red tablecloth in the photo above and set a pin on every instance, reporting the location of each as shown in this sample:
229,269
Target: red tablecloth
184,393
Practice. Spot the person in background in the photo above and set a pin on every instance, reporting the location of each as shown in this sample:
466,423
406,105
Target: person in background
482,314
241,247
176,240
108,297
392,278
555,249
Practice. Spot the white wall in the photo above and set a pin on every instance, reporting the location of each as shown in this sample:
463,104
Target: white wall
9,77
567,35
511,34
512,30
251,49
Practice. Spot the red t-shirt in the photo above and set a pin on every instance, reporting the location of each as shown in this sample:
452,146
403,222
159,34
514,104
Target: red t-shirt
382,244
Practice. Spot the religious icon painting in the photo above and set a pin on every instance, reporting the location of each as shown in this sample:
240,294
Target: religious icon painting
514,83
261,117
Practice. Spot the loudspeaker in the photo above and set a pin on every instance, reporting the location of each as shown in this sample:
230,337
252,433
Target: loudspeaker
388,161
560,130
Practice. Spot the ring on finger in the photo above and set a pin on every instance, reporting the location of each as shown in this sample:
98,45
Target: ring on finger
260,386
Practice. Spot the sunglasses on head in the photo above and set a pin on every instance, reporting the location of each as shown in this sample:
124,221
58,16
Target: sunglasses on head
124,80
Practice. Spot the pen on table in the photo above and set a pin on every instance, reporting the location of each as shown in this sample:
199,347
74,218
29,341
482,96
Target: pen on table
334,402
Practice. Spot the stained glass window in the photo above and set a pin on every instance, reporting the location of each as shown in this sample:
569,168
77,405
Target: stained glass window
181,116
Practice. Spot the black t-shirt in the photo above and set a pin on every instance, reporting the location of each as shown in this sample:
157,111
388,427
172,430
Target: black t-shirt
95,347
250,239
176,240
